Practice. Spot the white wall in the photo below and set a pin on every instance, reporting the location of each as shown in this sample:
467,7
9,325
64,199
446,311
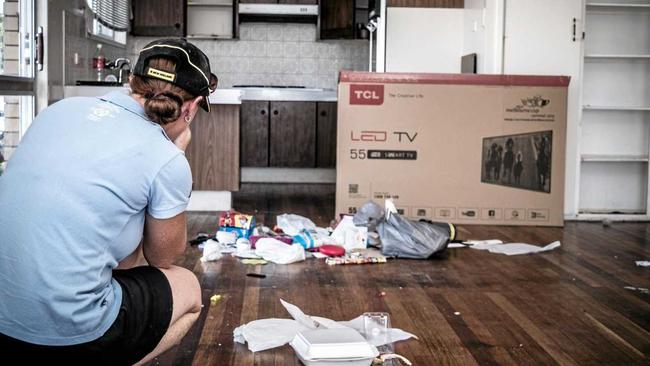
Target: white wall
424,40
483,34
433,40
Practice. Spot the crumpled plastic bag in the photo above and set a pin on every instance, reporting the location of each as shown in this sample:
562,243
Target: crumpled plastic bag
369,215
278,252
211,251
405,238
292,224
350,236
270,333
497,246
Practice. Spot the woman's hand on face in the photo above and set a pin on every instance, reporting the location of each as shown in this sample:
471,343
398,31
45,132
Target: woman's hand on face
183,140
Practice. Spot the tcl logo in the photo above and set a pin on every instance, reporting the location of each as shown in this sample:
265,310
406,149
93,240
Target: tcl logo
367,94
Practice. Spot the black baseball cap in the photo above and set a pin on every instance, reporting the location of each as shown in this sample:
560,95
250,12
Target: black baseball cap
192,71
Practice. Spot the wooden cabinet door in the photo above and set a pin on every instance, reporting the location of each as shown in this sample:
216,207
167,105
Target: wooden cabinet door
293,134
159,17
255,134
213,153
337,19
326,135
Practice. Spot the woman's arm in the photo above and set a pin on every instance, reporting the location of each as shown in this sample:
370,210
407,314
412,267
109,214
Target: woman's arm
164,239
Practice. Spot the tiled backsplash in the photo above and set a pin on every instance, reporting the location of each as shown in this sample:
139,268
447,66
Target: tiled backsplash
76,41
276,54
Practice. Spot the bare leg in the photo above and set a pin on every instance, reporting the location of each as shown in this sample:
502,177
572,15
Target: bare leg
186,292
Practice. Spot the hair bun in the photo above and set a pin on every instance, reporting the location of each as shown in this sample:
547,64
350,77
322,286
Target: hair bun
163,107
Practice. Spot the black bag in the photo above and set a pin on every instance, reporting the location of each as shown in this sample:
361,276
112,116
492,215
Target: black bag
404,238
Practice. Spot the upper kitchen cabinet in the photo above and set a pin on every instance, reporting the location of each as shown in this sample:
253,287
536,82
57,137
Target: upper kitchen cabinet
305,2
159,18
345,19
211,19
426,3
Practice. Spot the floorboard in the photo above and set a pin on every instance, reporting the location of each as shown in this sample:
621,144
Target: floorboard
568,306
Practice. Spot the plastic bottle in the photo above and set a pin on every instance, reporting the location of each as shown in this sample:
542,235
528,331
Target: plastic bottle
99,63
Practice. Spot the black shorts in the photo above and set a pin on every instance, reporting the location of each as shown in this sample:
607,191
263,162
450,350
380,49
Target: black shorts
143,319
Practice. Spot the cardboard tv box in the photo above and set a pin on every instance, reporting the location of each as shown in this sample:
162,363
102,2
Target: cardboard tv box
462,148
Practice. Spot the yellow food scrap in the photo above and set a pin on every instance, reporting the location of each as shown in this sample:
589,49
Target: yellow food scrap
214,299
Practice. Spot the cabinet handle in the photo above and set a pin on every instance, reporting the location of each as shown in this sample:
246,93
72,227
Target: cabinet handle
323,113
177,25
263,112
275,113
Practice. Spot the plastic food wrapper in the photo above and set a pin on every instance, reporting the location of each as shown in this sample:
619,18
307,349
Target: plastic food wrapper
369,215
270,333
310,239
496,246
405,238
278,252
292,224
350,236
211,251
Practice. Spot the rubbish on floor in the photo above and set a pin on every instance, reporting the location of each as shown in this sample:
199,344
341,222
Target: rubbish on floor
333,261
292,224
390,356
350,236
211,251
246,254
310,239
369,215
226,237
405,238
332,250
317,255
483,242
642,290
265,334
278,252
243,245
235,222
214,299
254,262
515,248
643,263
283,238
326,346
257,275
456,245
200,238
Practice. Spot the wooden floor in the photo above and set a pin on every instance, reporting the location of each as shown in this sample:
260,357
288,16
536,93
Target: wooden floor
568,306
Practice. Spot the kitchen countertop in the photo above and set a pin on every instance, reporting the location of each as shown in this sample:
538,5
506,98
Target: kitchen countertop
287,94
226,95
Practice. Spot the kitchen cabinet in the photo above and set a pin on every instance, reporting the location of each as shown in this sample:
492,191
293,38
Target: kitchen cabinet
159,17
426,3
292,134
306,2
343,19
255,134
326,135
213,153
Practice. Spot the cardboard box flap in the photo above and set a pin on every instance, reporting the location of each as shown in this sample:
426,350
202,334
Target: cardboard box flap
453,79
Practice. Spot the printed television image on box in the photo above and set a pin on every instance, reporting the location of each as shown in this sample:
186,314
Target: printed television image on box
520,161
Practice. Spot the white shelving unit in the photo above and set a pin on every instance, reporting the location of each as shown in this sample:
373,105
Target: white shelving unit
615,125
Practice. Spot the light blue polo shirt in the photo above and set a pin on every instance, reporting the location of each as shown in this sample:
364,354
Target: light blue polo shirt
72,205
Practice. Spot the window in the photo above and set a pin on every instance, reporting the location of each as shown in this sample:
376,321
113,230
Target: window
108,19
16,74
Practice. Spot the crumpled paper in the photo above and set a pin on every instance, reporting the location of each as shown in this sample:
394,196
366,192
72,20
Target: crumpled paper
270,333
